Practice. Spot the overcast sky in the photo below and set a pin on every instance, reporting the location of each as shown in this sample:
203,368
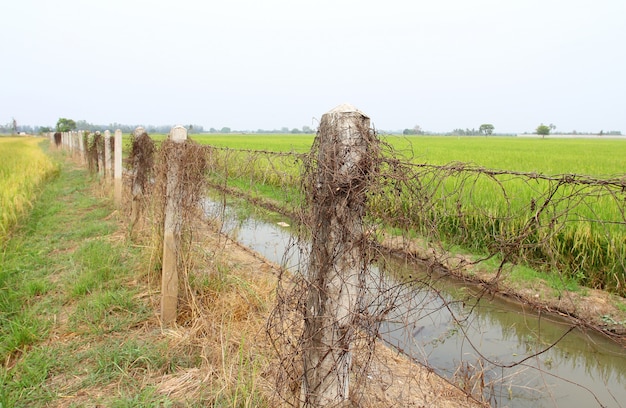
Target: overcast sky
251,64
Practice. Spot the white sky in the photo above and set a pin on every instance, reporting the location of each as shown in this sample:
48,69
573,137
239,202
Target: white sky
250,64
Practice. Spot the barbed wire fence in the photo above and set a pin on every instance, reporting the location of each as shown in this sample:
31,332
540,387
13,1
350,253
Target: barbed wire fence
567,225
571,226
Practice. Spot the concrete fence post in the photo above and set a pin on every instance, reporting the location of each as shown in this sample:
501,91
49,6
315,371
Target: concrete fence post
74,144
99,141
107,155
171,234
137,187
80,143
337,265
117,170
70,140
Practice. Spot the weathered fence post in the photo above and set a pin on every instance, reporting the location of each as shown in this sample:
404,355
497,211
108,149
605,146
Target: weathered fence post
117,171
99,141
70,142
337,263
76,143
107,154
141,156
171,234
80,143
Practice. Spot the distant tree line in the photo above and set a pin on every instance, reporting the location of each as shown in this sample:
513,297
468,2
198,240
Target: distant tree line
283,130
65,124
484,129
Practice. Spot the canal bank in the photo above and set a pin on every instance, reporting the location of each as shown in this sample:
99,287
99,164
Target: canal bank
525,355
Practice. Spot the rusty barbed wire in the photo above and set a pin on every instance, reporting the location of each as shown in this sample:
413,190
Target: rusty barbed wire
430,208
418,211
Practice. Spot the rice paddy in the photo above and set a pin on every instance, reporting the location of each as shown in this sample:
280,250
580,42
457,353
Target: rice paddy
23,167
580,233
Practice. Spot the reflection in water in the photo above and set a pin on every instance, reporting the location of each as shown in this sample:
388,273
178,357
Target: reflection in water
440,323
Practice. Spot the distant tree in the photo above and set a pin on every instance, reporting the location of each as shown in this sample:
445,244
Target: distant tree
295,131
552,127
14,126
307,129
458,132
416,130
225,129
486,129
45,129
543,130
65,125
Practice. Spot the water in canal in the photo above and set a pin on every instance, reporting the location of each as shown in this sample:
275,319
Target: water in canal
441,326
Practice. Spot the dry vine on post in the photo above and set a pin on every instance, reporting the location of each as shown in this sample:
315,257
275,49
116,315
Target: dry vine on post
179,186
141,161
331,291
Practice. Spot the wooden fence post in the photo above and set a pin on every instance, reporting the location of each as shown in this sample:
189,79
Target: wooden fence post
337,264
171,235
117,171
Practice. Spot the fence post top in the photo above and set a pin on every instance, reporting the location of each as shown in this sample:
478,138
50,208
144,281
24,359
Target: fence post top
139,130
347,108
178,134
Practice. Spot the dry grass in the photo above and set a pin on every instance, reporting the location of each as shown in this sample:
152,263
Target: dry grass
228,294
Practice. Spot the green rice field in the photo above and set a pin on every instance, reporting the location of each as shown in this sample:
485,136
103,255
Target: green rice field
579,231
594,157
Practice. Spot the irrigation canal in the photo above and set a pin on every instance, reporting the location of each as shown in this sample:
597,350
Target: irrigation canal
438,326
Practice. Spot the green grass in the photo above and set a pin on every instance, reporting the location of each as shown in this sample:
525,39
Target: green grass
78,316
62,264
524,276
